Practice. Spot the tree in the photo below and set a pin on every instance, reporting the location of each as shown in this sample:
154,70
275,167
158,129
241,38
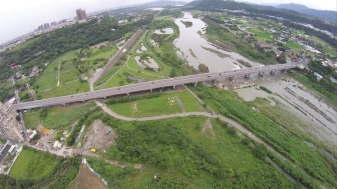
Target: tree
36,137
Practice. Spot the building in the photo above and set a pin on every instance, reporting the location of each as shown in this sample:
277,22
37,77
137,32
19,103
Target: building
9,126
81,15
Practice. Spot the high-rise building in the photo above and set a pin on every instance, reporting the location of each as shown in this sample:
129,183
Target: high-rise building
9,126
81,15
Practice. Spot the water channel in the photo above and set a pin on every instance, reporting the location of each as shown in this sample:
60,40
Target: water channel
191,44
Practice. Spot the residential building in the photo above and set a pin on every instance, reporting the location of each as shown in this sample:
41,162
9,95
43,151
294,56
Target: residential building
9,126
81,15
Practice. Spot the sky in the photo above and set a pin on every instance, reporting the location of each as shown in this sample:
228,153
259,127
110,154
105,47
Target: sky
18,17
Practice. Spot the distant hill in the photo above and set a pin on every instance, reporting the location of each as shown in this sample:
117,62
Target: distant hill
330,16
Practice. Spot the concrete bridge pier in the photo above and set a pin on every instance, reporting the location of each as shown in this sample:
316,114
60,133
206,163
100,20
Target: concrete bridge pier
272,72
247,76
174,87
161,90
260,74
195,84
151,90
231,78
128,94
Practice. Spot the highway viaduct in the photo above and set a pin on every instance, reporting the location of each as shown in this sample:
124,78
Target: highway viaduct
171,82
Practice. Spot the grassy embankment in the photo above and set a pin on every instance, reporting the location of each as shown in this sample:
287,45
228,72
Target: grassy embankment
181,153
162,104
316,164
57,117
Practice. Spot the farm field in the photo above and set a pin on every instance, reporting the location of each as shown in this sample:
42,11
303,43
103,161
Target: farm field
32,164
57,117
162,105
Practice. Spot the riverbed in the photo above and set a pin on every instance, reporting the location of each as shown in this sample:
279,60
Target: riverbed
298,100
194,47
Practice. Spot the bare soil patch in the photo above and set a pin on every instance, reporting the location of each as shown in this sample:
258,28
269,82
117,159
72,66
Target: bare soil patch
87,180
99,136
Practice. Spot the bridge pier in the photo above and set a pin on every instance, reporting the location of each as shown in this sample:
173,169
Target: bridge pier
272,72
161,90
231,78
151,90
174,87
195,84
260,74
246,76
128,94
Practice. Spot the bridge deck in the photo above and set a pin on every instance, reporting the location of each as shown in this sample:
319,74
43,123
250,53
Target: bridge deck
81,97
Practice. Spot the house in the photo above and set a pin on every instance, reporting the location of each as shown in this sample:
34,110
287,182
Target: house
31,133
293,58
18,75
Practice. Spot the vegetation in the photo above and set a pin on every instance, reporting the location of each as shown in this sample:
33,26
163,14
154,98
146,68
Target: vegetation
179,153
266,89
116,177
187,23
32,164
217,33
154,105
47,117
311,160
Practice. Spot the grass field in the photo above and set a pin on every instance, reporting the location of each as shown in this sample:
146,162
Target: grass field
162,105
32,164
261,35
293,45
57,117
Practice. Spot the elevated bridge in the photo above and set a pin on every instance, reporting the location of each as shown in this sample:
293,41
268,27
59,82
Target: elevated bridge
171,82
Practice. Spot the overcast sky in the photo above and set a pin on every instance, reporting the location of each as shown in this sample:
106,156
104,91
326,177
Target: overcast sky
18,17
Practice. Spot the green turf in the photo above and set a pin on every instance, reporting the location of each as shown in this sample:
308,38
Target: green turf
58,117
162,105
32,164
293,45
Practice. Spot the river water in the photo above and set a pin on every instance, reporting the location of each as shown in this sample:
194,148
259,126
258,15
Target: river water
190,42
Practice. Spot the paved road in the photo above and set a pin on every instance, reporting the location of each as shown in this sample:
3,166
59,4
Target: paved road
104,93
114,60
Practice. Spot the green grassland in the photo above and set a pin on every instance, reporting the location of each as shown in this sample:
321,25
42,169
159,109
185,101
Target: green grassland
294,46
57,117
261,35
161,105
49,79
32,164
180,154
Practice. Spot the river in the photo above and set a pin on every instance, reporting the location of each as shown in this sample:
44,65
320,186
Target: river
191,45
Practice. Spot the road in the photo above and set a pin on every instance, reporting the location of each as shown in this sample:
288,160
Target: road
114,60
104,93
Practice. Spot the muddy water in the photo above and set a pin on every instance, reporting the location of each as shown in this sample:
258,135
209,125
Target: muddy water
320,116
191,43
